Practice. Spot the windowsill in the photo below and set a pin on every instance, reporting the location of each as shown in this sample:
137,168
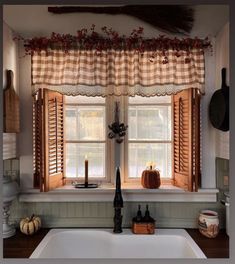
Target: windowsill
166,193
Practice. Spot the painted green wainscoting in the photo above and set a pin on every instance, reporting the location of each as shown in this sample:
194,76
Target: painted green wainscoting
222,176
11,168
100,214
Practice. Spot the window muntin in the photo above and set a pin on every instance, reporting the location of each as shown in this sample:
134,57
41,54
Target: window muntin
149,135
85,123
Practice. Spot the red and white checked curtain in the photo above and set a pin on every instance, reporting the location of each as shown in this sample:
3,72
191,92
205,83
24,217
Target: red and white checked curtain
118,72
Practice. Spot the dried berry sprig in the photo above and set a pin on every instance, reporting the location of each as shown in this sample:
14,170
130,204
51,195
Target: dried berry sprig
111,39
118,130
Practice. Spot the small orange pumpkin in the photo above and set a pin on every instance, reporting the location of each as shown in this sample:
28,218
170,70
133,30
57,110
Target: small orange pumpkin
150,179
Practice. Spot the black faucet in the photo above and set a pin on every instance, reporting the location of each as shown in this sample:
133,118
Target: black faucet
118,204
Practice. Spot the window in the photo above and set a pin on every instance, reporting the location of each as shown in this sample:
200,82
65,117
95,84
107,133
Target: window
149,135
85,128
164,130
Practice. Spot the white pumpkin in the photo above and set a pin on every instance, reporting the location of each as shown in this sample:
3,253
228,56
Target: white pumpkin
31,225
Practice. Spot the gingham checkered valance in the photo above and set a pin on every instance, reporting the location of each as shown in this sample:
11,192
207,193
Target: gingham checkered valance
118,72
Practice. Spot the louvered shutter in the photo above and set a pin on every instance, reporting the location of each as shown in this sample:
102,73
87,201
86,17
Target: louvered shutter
38,138
49,141
186,139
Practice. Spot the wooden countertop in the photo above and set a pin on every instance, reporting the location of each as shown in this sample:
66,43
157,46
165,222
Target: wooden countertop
212,247
22,246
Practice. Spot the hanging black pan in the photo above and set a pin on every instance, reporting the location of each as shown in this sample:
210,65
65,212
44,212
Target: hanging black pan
219,106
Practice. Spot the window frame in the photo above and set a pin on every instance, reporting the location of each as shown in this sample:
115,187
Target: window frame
109,159
137,181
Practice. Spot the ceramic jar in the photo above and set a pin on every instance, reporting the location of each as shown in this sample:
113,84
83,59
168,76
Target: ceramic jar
208,223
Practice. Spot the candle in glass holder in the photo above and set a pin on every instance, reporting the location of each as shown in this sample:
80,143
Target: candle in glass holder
86,171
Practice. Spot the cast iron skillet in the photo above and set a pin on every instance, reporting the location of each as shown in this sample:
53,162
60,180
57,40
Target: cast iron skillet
219,106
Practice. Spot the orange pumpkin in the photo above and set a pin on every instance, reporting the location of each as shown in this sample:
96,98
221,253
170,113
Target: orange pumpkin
150,179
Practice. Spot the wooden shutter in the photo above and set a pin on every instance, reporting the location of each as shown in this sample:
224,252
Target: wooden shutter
186,139
49,140
38,138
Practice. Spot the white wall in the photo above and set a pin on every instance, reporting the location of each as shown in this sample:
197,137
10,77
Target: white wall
208,132
10,56
26,118
10,62
222,61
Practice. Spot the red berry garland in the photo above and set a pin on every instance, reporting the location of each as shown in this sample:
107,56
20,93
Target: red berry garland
110,39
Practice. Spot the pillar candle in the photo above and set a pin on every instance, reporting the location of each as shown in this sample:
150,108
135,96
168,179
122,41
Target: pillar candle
86,171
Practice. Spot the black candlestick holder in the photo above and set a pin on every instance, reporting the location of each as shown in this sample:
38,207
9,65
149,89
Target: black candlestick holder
85,185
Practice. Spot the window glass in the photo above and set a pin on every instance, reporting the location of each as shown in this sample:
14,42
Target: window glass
150,100
79,99
70,123
149,122
141,153
76,154
85,122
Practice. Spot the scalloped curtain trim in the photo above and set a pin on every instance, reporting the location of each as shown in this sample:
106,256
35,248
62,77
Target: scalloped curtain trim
156,90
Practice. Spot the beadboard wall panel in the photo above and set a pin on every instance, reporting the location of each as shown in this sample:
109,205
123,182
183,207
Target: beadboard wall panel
100,214
222,61
9,149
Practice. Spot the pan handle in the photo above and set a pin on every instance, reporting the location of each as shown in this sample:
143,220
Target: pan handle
223,76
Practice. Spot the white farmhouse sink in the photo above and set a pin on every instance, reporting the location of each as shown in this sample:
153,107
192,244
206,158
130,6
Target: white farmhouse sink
103,244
